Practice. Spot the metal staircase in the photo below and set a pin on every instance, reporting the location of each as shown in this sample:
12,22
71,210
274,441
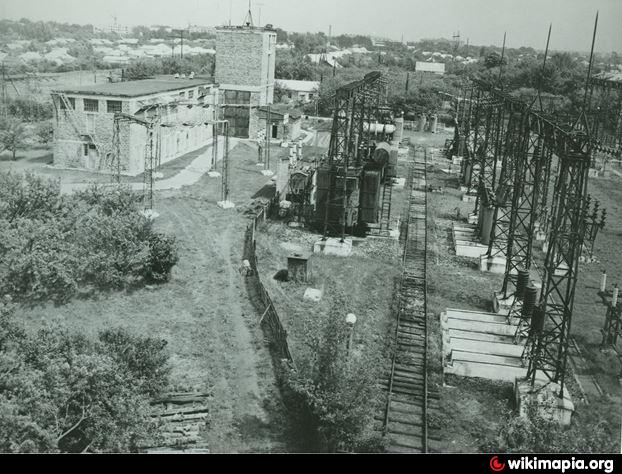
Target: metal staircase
81,129
385,213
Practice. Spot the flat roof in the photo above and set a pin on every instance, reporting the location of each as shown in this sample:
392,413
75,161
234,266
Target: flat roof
135,88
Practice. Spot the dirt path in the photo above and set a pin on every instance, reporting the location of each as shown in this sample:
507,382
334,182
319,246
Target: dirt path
229,348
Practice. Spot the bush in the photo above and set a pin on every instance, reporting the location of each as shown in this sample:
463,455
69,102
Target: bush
162,258
535,434
57,247
64,392
332,393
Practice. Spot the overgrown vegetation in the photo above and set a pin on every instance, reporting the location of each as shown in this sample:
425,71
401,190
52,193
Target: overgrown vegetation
63,392
332,390
58,247
537,434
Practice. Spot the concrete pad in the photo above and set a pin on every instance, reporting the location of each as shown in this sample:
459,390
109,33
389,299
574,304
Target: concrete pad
334,247
474,316
150,214
500,304
226,205
311,294
399,183
545,396
267,173
492,264
214,174
492,348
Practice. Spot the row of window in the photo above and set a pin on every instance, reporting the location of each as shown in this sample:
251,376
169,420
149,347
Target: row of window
92,105
112,106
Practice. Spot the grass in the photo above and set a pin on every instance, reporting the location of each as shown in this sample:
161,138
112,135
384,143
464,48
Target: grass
472,408
211,327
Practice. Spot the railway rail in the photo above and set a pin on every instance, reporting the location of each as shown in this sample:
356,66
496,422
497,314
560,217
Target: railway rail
405,423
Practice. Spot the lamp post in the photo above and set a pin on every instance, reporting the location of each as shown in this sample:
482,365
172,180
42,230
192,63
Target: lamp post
350,321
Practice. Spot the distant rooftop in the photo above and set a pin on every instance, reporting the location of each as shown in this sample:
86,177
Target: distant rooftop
136,88
247,28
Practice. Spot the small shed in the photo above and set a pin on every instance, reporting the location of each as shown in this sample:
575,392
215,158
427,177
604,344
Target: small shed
298,266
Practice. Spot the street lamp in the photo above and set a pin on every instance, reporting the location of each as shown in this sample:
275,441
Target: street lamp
350,321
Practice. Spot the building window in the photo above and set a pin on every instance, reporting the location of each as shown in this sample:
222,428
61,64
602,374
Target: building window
91,105
182,95
190,94
114,106
86,149
72,103
237,97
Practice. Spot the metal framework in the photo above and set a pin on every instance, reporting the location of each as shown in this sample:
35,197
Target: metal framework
350,145
530,147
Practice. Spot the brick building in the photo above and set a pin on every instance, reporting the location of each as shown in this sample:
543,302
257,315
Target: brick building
245,66
84,128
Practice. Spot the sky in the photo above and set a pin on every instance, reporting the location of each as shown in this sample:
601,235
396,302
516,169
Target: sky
482,22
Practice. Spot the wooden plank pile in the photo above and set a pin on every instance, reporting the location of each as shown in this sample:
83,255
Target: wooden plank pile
181,417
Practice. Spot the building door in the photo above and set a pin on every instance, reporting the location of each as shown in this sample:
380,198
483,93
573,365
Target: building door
93,158
275,131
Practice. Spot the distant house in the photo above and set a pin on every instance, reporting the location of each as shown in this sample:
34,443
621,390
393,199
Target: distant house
431,68
302,91
116,60
285,125
59,56
30,56
328,58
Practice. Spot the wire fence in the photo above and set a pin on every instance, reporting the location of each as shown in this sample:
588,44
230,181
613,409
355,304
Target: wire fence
270,321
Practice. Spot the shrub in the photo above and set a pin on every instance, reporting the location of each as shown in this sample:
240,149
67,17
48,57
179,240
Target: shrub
333,393
55,247
162,258
64,392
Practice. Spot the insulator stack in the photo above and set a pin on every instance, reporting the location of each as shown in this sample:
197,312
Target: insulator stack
521,283
529,301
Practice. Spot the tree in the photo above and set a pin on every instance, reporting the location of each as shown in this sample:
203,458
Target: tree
63,392
14,137
45,132
494,59
332,389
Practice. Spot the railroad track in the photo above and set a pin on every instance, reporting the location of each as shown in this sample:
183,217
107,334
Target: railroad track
405,423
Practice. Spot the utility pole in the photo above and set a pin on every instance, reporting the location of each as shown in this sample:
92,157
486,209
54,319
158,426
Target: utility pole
181,36
268,138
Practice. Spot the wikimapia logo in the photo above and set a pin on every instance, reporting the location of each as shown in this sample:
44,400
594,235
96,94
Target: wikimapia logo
563,465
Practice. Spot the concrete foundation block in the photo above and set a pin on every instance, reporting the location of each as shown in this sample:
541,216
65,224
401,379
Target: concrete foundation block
501,305
311,294
334,247
150,214
399,183
226,204
469,197
492,264
267,173
540,236
544,398
472,219
214,174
